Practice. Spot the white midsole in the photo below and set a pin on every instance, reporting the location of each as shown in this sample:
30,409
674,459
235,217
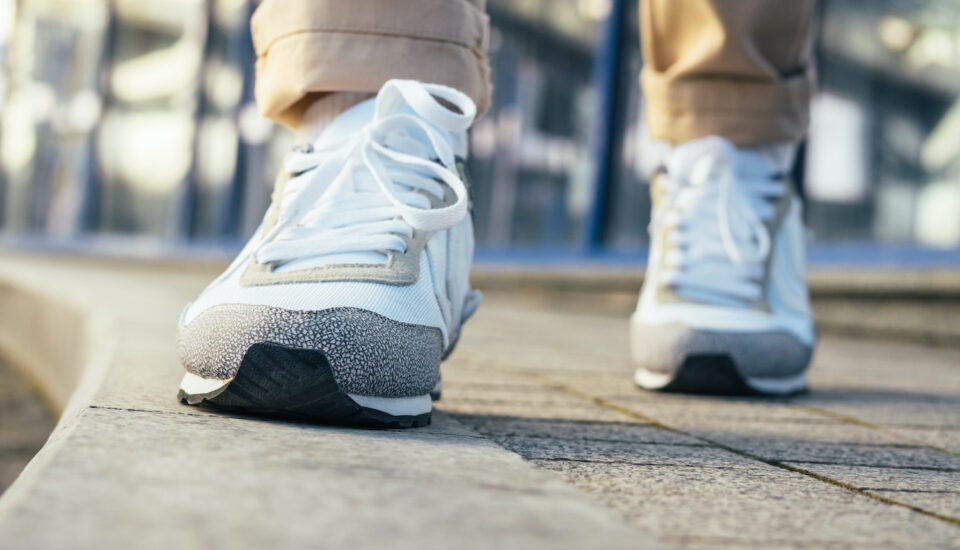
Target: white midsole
782,385
195,385
776,386
395,406
651,380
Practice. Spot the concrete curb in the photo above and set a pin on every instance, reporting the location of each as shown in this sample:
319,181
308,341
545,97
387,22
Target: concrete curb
127,466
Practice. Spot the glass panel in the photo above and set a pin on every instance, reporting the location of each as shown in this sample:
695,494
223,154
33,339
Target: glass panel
225,68
50,111
883,162
148,134
530,162
181,150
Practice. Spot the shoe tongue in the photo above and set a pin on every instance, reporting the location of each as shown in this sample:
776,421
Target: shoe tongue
694,161
348,123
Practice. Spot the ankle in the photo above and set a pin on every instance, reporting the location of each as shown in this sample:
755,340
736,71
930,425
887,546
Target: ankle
324,110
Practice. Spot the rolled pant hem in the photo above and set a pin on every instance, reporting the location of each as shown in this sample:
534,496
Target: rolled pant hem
747,113
308,47
359,62
384,32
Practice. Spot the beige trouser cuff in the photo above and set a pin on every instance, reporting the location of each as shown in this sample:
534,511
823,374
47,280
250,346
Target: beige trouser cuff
306,47
746,113
740,69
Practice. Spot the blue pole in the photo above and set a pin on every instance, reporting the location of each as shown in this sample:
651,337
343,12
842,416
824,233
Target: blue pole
604,140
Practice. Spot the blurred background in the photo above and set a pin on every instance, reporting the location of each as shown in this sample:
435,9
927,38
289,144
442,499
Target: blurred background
130,124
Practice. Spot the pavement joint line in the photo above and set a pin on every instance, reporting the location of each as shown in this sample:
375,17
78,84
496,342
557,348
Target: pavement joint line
600,440
483,417
260,419
922,427
447,384
906,446
924,491
547,381
495,401
852,420
623,462
878,466
735,418
149,411
765,543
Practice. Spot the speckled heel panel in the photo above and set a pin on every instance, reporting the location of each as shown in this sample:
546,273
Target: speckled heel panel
664,349
368,354
296,384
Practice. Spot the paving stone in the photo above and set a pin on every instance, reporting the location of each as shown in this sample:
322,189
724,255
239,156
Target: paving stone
895,479
576,430
884,369
833,443
750,505
936,491
25,424
783,432
533,396
684,409
617,452
140,470
549,340
146,479
478,374
10,467
922,411
942,437
548,410
945,503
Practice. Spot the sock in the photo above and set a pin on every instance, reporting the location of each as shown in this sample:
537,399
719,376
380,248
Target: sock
781,154
327,107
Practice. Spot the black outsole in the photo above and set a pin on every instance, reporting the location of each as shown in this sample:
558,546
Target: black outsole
714,374
295,384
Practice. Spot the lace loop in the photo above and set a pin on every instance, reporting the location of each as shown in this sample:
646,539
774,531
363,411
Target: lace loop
719,241
370,193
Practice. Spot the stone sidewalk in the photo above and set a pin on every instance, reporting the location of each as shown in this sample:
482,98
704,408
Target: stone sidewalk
542,442
25,423
869,459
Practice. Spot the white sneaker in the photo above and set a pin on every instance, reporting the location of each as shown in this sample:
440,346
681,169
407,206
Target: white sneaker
724,307
355,286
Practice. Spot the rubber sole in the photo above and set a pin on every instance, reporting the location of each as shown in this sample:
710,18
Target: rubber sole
299,385
711,374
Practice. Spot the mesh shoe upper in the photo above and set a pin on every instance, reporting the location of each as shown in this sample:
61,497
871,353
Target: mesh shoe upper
726,271
368,229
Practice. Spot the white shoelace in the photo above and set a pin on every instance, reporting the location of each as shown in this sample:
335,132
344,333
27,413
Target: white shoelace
369,193
718,248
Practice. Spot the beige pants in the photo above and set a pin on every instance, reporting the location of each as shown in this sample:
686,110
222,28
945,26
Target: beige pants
735,68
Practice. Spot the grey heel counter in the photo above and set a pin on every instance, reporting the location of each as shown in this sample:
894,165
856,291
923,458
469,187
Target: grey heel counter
664,348
368,353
